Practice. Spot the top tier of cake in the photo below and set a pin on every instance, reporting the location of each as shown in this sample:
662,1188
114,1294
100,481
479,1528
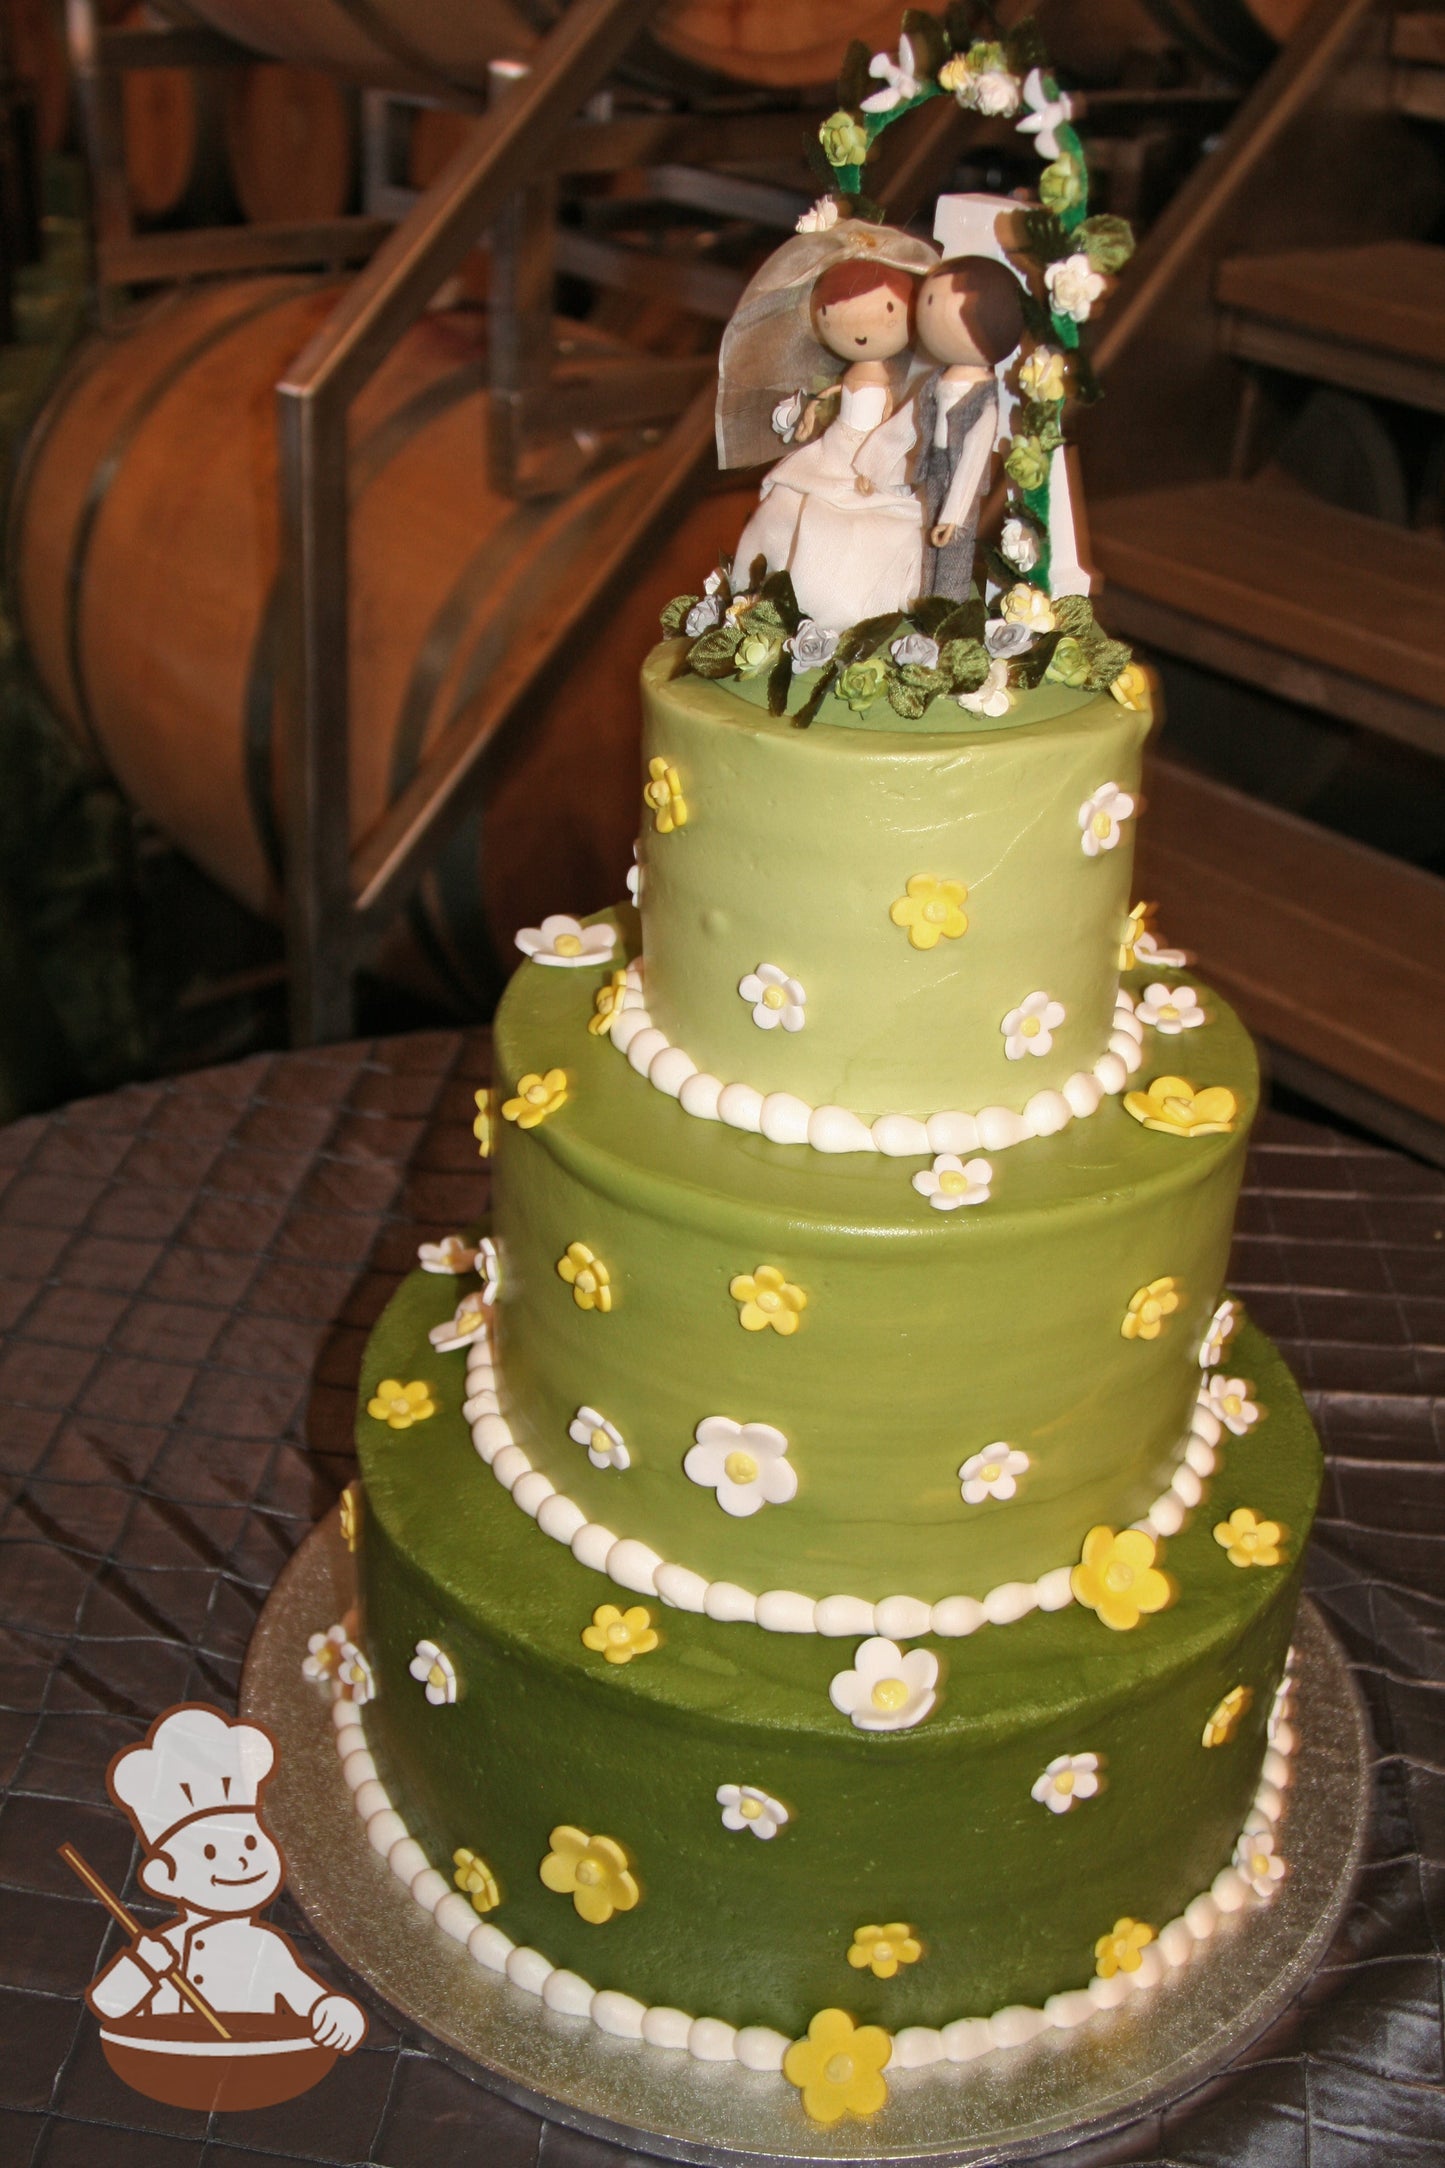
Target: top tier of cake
888,921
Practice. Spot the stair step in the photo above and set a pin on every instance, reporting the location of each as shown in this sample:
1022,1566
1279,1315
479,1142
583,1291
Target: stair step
1369,319
1417,45
1268,584
1331,950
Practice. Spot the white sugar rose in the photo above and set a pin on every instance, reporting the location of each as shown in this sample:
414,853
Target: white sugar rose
1074,286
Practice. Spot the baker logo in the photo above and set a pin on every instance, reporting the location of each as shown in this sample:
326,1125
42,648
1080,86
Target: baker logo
212,2008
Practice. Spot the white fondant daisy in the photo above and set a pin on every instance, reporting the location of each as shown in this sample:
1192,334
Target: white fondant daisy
467,1323
1147,951
993,1473
1030,1028
1222,1328
745,1463
1229,1399
436,1671
1046,115
951,1181
776,998
489,1265
634,877
1170,1009
323,1654
745,1807
451,1254
603,1440
354,1676
900,78
1257,1860
1068,1779
886,1690
563,940
1101,816
993,696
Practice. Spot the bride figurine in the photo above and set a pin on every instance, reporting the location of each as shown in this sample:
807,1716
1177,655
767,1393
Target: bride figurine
829,310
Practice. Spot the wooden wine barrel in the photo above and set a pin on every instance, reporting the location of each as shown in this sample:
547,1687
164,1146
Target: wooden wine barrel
144,557
440,45
173,163
290,143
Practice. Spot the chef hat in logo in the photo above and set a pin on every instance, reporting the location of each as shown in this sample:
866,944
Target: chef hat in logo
194,1761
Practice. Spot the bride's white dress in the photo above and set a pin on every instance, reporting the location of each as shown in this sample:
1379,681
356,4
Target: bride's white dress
840,515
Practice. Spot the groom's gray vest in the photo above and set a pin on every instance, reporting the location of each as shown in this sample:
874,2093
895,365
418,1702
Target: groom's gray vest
947,571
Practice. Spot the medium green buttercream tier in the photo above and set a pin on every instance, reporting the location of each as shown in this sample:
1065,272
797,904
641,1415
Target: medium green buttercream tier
933,1826
927,1336
797,843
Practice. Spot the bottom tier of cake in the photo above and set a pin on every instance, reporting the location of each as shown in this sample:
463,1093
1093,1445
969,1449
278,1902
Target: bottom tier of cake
702,1828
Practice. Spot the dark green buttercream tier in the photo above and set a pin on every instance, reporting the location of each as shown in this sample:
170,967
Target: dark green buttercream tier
934,1825
928,1336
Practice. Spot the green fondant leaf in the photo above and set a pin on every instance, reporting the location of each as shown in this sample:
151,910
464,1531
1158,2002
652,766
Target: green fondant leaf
1045,238
1106,661
924,33
777,592
908,701
966,620
1030,668
1074,614
712,653
780,679
1026,49
853,79
757,572
965,663
763,615
1108,242
674,616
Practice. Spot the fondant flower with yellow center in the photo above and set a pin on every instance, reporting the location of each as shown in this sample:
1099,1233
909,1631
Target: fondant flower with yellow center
354,1681
1248,1541
565,941
745,1806
1223,1326
1141,945
399,1406
1224,1718
838,2067
587,1276
433,1668
483,1126
1173,1106
1148,1307
952,1182
886,1690
1131,687
1101,818
475,1879
1171,1009
605,1445
1117,1579
765,1298
1068,1779
607,1004
536,1097
350,1515
932,911
883,1949
1258,1861
1230,1399
467,1324
620,1635
453,1254
1122,1949
663,792
323,1654
592,1871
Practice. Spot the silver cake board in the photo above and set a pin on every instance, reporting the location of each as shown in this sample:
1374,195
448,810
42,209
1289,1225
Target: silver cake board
1008,2105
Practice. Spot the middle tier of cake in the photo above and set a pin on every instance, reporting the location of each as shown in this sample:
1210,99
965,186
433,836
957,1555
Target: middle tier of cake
767,1369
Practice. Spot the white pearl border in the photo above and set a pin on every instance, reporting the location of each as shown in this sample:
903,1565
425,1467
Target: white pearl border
759,2047
636,1566
785,1119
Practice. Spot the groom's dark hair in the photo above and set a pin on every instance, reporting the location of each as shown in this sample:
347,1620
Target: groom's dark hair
994,311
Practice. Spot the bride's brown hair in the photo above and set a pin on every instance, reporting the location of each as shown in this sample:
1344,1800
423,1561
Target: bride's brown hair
856,276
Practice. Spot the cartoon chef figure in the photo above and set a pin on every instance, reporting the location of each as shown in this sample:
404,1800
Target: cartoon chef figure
192,1790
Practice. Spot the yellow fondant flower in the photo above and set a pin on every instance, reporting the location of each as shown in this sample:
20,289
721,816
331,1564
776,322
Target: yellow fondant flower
475,1879
620,1635
592,1871
1122,1948
482,1126
932,911
587,1276
401,1405
663,792
536,1098
1042,375
1148,1308
351,1516
1117,1579
607,1003
1171,1104
1131,687
883,1949
765,1298
1249,1541
838,2067
1224,1720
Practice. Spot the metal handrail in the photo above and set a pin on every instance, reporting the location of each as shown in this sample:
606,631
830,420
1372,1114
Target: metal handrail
509,147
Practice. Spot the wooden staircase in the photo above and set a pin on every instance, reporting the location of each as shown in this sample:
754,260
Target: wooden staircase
1297,253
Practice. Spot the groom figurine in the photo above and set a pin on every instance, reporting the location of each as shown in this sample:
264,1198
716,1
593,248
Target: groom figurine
970,318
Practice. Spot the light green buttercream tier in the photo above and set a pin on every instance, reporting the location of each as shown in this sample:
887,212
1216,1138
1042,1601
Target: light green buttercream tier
927,1335
796,844
933,1826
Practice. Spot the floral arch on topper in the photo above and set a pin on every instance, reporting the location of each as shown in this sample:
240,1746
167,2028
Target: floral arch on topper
1022,625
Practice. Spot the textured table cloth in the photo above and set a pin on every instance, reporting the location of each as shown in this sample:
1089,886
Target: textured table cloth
190,1270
